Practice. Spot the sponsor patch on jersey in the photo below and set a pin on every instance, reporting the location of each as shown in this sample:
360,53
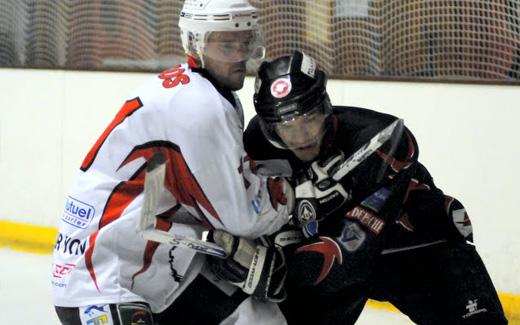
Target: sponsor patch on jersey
68,245
78,213
352,236
473,309
377,200
310,228
306,211
281,87
462,222
366,218
60,273
255,203
459,216
96,315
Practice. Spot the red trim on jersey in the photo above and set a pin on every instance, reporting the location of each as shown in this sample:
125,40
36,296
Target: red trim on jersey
169,214
179,181
184,187
128,109
415,185
124,193
88,257
330,251
151,246
404,221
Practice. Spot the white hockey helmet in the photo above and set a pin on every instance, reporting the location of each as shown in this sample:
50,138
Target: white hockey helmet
199,18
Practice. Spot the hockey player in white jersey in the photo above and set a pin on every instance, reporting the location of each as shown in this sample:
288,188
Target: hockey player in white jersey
103,272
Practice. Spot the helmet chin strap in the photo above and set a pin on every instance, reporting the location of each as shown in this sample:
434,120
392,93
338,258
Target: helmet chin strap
199,45
201,58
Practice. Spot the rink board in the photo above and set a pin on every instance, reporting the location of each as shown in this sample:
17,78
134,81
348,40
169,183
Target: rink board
40,240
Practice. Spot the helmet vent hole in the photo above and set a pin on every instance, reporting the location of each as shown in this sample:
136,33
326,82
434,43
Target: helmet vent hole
236,25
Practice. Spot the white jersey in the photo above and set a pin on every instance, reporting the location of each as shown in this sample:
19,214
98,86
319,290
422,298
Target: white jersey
98,257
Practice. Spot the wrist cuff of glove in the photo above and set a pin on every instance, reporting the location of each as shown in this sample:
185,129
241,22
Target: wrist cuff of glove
255,270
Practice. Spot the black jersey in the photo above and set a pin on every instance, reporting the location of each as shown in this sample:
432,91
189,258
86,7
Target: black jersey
394,203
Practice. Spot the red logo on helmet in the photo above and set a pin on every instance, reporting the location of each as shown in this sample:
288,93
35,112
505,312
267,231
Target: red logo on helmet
281,88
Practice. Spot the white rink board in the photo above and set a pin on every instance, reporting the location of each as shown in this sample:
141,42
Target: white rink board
467,136
25,293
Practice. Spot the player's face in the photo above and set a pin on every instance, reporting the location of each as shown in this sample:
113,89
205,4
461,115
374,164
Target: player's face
303,135
226,54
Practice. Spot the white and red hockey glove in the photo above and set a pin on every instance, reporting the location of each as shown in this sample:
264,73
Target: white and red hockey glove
258,270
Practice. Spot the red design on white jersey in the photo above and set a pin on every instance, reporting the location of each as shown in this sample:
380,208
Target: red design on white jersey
200,133
128,109
179,181
151,247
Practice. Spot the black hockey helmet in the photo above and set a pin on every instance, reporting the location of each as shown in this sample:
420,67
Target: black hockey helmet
287,88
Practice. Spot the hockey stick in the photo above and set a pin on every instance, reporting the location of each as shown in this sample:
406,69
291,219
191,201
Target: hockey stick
153,188
369,148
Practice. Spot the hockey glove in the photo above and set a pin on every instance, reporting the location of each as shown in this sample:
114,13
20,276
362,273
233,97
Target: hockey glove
317,193
258,270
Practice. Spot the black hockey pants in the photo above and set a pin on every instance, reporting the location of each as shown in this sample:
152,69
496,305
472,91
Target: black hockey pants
442,284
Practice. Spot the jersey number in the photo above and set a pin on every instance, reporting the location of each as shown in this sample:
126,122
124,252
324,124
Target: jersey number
128,109
174,77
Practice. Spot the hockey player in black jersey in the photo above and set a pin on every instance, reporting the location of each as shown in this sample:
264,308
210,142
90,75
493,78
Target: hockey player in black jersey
375,226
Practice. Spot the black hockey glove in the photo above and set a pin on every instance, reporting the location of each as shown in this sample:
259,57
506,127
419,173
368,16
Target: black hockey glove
258,270
317,193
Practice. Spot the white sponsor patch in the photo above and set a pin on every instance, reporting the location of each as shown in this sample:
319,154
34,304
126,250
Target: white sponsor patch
352,236
473,309
306,211
60,274
281,87
78,213
461,221
308,66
